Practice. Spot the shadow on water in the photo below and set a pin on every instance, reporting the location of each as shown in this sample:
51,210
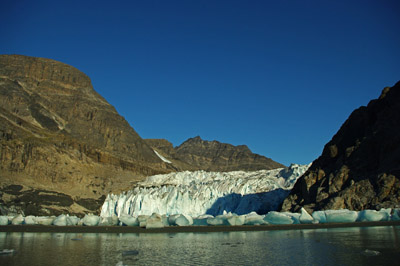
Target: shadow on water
261,203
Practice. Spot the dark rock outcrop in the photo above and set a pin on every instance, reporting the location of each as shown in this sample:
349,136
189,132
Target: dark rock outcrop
57,134
360,167
198,154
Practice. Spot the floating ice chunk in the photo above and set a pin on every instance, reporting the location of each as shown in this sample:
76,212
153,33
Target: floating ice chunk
319,216
386,214
253,218
278,218
3,220
30,220
294,216
72,220
369,252
19,219
305,218
183,220
215,221
154,221
111,220
6,251
395,215
236,220
341,216
45,220
164,219
202,220
143,220
91,220
129,220
60,220
172,219
371,216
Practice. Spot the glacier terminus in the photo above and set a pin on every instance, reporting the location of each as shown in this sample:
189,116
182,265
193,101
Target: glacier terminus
199,193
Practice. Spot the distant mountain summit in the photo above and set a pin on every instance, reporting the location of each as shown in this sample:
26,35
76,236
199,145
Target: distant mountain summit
198,154
360,167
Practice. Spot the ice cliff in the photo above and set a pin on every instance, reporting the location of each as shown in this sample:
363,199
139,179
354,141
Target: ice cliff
197,193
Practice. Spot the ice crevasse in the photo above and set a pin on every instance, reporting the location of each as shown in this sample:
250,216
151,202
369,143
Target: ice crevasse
200,192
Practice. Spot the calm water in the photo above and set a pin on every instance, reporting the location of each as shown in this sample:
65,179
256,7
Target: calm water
340,246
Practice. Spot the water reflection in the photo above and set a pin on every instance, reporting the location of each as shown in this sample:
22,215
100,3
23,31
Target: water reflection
339,246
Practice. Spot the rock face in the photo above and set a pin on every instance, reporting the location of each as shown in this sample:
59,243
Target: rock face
198,154
360,167
57,135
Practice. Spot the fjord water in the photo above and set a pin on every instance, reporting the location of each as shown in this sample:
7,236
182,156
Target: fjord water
337,246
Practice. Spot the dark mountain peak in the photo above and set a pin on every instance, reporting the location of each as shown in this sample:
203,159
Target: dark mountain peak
360,167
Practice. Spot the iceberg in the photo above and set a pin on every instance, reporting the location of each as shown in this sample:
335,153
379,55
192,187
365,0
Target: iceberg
236,220
200,192
319,216
396,215
30,220
45,220
60,220
91,220
19,219
72,220
374,216
3,220
154,221
253,219
278,218
202,220
305,217
107,221
129,220
341,216
183,220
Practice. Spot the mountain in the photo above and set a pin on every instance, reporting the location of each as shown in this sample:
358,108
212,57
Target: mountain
198,154
360,167
62,146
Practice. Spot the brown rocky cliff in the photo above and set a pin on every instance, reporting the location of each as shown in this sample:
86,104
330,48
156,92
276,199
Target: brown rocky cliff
217,156
58,135
360,167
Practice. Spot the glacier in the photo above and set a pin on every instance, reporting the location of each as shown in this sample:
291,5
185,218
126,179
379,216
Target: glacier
200,192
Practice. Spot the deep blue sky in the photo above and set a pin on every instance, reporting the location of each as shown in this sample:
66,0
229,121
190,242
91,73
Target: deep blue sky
278,76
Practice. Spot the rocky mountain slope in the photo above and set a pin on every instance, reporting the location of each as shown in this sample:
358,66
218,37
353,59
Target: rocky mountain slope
198,154
62,146
360,167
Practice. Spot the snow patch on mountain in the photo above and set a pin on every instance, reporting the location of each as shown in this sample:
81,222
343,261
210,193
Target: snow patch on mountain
162,157
197,193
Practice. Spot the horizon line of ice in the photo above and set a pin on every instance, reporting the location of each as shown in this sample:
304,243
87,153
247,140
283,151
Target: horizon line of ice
159,221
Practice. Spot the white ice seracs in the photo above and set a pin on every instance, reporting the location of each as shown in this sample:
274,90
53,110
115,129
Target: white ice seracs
200,192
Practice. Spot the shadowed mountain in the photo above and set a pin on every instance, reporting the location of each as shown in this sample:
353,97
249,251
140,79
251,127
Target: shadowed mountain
360,167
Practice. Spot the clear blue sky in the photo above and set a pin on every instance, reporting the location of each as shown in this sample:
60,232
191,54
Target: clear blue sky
278,76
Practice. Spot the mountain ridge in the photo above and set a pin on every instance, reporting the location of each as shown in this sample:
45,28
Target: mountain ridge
63,147
198,154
